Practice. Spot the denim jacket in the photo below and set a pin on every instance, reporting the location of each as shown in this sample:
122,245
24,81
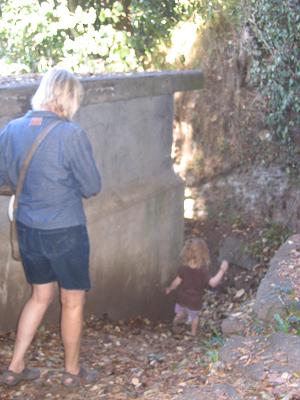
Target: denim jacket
62,171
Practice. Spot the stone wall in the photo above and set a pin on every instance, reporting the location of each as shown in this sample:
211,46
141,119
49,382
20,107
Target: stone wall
136,223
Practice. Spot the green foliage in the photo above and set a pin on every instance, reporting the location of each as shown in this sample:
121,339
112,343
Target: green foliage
275,25
19,46
49,33
197,164
151,23
208,9
92,36
213,345
274,234
86,35
213,355
282,325
289,324
271,236
289,320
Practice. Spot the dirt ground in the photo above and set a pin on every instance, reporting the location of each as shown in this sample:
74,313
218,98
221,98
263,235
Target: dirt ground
140,359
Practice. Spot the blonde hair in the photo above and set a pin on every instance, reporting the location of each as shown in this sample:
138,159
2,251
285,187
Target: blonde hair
196,252
59,91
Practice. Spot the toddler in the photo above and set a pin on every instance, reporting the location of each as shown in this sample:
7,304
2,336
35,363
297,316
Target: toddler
191,281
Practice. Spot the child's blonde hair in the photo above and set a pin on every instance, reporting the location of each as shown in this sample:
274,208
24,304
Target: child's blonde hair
60,91
195,252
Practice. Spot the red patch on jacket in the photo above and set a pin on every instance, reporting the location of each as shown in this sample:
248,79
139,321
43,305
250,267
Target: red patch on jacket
36,121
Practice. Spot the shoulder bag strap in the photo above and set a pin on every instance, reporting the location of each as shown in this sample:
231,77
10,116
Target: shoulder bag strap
41,136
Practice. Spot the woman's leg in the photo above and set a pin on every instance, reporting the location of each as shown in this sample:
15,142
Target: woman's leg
71,327
30,319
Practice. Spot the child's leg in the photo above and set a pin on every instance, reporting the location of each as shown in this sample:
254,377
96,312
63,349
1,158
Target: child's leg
178,322
193,319
180,318
181,314
194,326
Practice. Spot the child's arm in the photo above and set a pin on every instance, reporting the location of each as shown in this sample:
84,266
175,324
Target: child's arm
177,281
215,280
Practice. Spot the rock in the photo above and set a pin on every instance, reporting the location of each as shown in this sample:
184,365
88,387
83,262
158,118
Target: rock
196,393
233,249
227,391
290,346
274,290
240,293
257,355
232,326
256,193
215,392
229,352
256,372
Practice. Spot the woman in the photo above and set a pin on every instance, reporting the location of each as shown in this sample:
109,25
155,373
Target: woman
50,218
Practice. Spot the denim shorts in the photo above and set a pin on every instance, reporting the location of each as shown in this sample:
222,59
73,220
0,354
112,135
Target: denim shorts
56,255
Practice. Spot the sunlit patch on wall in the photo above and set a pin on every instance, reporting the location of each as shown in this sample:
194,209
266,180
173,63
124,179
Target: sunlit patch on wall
189,208
183,40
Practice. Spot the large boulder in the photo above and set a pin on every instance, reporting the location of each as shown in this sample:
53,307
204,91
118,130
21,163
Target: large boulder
275,292
234,250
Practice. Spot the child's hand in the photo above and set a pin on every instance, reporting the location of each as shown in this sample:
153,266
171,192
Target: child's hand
168,290
224,266
177,281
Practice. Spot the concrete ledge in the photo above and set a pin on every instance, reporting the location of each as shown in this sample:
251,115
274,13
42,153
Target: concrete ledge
15,98
130,86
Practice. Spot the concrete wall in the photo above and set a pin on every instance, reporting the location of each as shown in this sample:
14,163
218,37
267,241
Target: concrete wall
136,223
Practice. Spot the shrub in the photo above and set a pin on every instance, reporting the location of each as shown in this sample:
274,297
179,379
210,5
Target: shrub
49,33
275,25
